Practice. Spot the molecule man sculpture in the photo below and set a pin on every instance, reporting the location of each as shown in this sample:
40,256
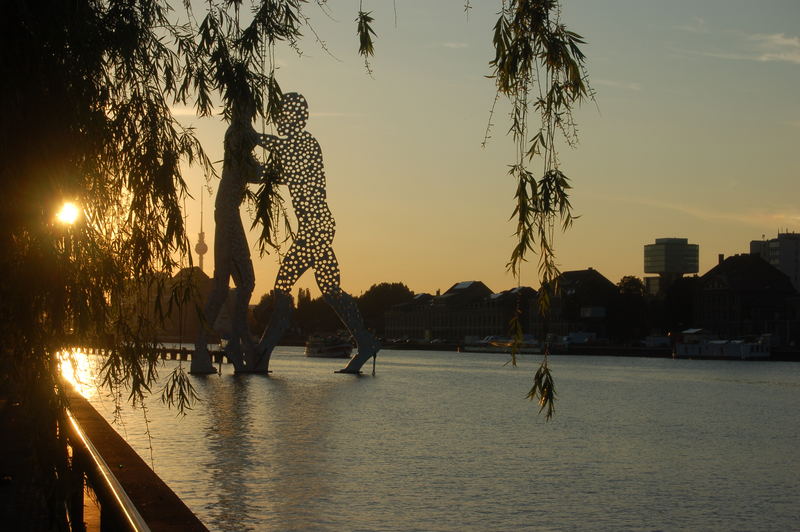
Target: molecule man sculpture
300,167
231,251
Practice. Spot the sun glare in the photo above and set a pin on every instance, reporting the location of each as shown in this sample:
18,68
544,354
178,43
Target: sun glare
68,214
77,369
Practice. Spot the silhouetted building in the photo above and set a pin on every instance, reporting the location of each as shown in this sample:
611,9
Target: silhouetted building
670,258
467,309
582,303
189,290
782,252
175,316
746,296
410,319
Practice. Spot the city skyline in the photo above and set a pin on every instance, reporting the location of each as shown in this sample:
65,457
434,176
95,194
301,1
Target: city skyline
692,136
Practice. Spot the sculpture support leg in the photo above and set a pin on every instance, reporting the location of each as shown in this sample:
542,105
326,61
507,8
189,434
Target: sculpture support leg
294,264
241,345
278,323
232,260
201,360
347,310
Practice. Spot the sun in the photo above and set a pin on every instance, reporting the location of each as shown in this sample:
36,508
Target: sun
69,213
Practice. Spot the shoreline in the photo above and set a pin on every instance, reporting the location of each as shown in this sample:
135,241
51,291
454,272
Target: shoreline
777,355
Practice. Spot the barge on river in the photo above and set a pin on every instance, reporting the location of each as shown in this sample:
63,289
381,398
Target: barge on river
328,347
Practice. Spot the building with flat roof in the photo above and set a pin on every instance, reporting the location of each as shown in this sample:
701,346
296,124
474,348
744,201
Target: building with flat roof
670,258
782,252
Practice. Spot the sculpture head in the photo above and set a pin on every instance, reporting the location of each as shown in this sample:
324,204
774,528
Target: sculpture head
294,114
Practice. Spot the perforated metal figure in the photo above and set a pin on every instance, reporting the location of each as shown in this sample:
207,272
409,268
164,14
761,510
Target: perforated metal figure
231,251
300,165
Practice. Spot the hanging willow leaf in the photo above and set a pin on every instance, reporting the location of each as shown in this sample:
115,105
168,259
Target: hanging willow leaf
365,34
543,390
178,391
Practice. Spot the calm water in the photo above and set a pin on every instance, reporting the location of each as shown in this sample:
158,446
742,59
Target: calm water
446,441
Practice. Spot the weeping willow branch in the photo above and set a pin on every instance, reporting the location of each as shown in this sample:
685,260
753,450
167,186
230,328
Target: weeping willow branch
540,68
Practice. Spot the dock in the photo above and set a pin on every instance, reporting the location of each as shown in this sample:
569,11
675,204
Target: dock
165,352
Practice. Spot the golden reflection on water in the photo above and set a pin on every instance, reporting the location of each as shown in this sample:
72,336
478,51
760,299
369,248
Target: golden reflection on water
78,368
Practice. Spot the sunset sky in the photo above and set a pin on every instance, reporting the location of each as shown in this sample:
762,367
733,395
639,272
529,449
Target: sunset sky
694,134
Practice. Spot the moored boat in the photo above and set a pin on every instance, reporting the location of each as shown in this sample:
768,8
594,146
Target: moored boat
699,343
328,347
502,344
723,350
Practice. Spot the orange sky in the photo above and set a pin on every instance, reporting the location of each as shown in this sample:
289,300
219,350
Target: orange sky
694,135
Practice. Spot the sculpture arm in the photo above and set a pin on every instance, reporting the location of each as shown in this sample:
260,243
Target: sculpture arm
261,175
269,142
272,143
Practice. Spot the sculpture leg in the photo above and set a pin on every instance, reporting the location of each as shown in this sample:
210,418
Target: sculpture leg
347,310
241,345
294,264
201,360
278,323
326,270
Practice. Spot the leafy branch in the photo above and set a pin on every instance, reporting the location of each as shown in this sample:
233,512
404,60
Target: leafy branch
540,69
544,390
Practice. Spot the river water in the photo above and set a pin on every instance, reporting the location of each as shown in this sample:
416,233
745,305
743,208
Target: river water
447,441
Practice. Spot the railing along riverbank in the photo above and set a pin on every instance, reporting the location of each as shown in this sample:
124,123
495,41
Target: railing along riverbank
130,495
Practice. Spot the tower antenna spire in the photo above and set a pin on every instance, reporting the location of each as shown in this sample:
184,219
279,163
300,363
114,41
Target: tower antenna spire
201,248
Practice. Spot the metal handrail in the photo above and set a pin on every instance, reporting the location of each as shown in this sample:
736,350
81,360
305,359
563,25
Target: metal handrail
123,503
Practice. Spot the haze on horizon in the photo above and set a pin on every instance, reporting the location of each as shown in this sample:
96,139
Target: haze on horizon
694,135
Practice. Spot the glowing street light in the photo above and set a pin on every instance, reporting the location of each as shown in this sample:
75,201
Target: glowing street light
68,214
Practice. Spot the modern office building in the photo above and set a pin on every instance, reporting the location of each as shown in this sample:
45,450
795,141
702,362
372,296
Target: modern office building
670,258
782,252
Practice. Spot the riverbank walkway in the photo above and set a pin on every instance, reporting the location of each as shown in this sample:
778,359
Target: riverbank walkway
23,506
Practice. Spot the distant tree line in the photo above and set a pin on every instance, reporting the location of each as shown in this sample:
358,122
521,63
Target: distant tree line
627,313
315,316
631,314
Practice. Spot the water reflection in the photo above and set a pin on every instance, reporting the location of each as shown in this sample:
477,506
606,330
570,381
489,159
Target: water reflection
78,368
299,427
230,452
265,439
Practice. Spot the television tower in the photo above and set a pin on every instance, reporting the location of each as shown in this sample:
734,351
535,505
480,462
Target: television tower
201,248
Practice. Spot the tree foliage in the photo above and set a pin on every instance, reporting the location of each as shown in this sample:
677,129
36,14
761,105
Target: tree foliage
539,67
631,285
628,316
86,118
378,299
